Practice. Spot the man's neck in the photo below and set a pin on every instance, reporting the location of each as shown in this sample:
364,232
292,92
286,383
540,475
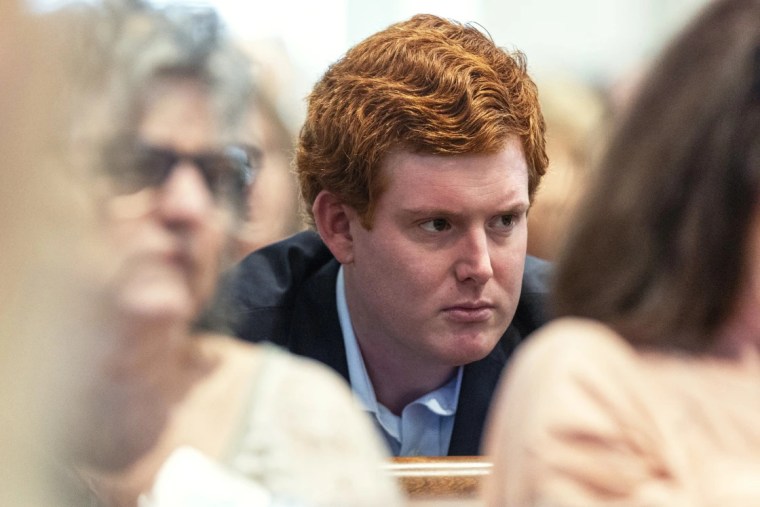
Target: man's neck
397,376
398,381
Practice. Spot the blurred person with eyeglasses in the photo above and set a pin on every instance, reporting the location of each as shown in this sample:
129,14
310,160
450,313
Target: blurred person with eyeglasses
176,415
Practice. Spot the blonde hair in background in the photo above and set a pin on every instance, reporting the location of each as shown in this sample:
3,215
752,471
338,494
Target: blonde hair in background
575,117
273,200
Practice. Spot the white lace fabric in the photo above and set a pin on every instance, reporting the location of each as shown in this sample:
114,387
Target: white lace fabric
305,437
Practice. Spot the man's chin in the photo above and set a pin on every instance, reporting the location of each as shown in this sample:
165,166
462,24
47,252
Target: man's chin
469,348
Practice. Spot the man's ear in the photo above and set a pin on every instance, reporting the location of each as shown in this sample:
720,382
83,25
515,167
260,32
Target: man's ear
333,221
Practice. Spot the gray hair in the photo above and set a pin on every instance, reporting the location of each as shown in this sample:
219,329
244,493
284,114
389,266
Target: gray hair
127,45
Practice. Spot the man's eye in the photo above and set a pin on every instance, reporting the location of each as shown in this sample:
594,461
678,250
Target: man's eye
436,225
505,221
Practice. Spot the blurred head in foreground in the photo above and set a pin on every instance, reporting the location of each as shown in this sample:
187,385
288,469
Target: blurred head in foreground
644,393
159,103
168,109
119,190
666,247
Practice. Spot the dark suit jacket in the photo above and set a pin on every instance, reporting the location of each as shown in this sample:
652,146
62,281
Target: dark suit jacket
285,293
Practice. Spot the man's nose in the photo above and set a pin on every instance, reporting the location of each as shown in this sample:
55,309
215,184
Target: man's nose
474,258
184,198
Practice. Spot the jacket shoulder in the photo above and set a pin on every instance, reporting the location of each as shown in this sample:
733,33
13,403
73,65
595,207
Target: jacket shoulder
269,276
255,299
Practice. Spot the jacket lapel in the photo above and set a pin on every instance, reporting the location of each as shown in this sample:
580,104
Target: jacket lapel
316,331
479,380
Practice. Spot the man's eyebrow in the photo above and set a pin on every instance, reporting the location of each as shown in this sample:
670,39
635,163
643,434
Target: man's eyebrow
426,212
517,206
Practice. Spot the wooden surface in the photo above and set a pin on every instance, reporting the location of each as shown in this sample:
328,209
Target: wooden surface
444,502
440,478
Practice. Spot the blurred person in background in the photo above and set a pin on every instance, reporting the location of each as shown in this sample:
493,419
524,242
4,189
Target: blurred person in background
272,202
574,114
421,153
646,391
173,415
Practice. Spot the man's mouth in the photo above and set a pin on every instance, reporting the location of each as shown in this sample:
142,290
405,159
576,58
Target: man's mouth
467,312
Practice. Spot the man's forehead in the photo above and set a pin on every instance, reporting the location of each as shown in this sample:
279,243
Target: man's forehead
509,159
424,183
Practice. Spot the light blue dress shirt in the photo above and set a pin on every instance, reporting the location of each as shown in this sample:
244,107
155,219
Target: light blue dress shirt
425,425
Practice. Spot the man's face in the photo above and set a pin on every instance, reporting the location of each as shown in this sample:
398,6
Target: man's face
437,279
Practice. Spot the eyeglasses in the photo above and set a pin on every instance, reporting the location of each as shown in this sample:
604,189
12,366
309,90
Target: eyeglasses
227,173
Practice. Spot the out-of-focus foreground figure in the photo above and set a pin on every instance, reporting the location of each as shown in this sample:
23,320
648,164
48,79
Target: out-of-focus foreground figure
160,117
48,308
645,392
125,185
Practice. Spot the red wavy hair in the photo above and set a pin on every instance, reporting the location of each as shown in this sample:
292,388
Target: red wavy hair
427,85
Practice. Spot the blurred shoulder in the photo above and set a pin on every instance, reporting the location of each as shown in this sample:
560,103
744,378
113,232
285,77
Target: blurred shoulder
578,337
575,347
307,435
571,375
307,373
303,386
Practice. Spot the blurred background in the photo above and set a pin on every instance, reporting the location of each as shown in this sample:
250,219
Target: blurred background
597,41
586,56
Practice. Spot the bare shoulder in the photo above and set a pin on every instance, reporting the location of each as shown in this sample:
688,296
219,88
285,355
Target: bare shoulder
571,356
285,379
575,343
572,373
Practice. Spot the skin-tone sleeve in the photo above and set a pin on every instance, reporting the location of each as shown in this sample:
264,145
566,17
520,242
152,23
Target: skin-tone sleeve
572,426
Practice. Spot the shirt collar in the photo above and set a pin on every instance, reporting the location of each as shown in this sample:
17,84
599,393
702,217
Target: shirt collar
357,372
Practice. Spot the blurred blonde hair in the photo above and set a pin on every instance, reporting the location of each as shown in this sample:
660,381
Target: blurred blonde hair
574,114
